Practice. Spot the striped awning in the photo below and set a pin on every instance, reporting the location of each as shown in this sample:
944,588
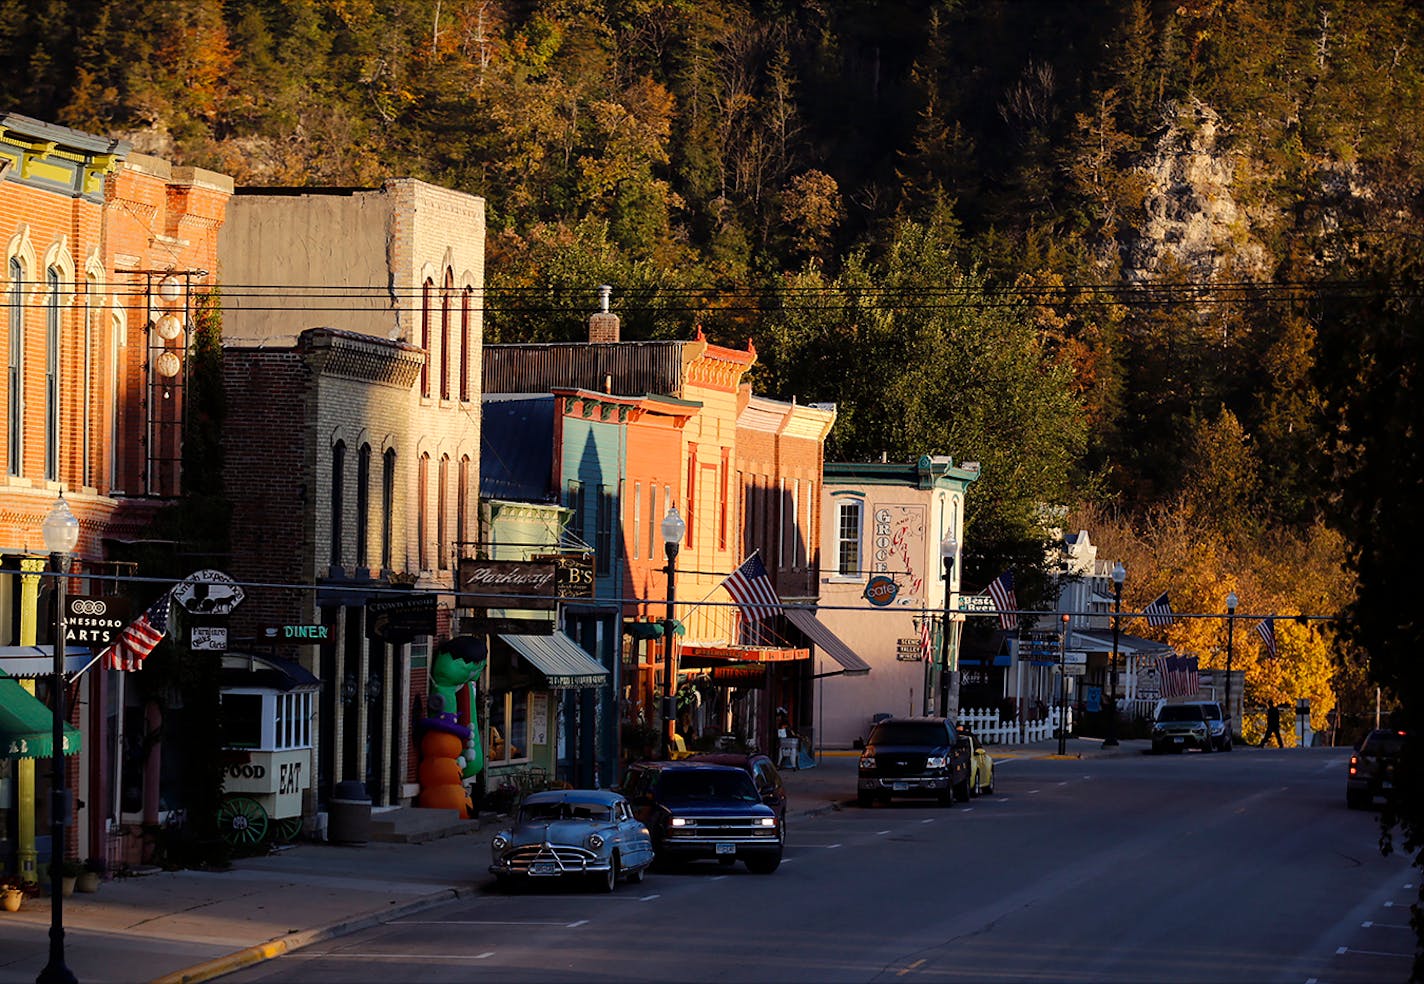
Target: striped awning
827,641
560,660
27,725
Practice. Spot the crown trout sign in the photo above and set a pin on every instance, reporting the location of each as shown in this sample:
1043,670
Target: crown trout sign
881,590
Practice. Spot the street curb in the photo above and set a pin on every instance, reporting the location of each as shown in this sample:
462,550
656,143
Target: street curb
248,956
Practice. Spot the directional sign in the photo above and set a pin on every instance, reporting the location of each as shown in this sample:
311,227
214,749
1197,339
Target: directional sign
977,603
1075,656
907,650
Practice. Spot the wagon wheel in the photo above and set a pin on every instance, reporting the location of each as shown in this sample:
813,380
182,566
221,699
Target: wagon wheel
242,821
284,830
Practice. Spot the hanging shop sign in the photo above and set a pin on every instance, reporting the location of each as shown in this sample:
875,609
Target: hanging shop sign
208,593
507,583
94,621
207,638
881,590
400,618
573,574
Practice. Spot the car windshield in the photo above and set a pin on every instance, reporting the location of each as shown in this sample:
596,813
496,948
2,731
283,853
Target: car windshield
706,784
907,733
1384,743
546,812
1180,712
1211,712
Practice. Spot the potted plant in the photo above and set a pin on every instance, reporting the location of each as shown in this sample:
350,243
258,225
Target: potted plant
69,872
12,892
92,871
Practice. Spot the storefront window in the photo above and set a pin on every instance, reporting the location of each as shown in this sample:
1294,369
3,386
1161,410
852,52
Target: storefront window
242,720
509,726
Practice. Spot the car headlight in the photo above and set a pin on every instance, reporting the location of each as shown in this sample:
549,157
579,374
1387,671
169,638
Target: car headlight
500,842
867,761
767,821
935,762
678,822
595,841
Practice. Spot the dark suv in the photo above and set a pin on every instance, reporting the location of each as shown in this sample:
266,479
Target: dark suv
914,756
702,810
1372,767
764,776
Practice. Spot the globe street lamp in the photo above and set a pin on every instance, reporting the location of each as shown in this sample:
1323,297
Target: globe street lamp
1119,574
1231,602
673,529
948,549
61,533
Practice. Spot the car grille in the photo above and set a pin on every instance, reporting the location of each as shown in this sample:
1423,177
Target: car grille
570,858
722,829
900,765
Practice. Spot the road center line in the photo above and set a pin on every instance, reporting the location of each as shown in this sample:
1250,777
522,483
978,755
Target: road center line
905,970
649,898
881,833
576,925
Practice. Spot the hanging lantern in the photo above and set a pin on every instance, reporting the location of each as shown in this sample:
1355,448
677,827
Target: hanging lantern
170,289
169,327
168,364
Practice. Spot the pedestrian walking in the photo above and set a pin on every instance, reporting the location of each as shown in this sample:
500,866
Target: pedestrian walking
1273,726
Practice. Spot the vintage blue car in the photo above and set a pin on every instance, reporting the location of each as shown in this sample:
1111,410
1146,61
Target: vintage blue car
589,834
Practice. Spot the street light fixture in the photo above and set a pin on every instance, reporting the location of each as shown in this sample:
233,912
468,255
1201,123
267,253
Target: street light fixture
673,528
948,550
1119,574
1231,602
61,533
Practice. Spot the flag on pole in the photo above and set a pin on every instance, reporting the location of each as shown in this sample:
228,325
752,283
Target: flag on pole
1179,675
926,638
1001,589
1266,629
140,637
1159,613
751,589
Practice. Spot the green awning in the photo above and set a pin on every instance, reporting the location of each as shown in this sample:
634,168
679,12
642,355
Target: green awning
27,726
652,630
559,660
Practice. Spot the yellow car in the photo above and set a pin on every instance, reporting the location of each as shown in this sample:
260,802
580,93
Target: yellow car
981,765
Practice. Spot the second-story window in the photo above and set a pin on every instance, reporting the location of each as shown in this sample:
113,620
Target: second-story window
14,411
466,352
446,300
363,504
442,531
52,376
388,504
338,498
422,513
603,531
848,539
425,291
576,521
637,518
462,503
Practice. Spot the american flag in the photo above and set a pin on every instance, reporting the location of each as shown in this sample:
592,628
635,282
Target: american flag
1001,589
140,637
926,638
1159,613
1179,675
1266,629
751,589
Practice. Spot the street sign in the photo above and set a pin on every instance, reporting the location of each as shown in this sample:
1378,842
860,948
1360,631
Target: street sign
207,638
1075,669
907,650
93,621
1075,656
977,603
208,593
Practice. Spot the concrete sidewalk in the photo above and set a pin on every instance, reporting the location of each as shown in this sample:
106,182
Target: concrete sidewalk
197,925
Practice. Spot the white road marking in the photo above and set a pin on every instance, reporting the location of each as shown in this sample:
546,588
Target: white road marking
1063,783
1389,905
719,877
1341,949
649,898
576,925
1032,791
928,820
1372,953
881,833
475,922
1369,924
832,847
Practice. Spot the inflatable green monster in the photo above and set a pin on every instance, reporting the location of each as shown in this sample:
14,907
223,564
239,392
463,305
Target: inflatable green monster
458,664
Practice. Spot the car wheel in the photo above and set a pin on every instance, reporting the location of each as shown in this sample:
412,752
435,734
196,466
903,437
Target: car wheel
1356,800
764,864
1227,746
946,798
961,790
635,877
506,884
606,881
864,799
989,789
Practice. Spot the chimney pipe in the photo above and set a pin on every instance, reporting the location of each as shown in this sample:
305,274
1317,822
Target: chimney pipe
602,325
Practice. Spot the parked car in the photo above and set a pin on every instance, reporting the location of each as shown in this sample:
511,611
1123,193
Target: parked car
1372,767
981,765
1195,724
914,756
703,810
590,834
764,775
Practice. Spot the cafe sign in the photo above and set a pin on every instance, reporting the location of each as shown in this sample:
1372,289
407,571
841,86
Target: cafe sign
507,583
573,574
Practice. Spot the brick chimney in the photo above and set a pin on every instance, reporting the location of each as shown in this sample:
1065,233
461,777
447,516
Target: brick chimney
603,325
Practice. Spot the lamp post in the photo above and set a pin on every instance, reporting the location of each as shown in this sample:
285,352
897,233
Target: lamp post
1063,686
61,533
1231,602
1119,574
948,549
673,529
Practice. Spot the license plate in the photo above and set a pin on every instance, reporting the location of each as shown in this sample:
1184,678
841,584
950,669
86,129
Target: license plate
723,848
900,786
1179,739
543,868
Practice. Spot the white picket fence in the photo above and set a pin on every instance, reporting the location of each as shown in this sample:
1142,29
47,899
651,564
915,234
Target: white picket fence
992,731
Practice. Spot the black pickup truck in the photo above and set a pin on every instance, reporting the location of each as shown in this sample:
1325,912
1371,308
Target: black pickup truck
914,756
704,810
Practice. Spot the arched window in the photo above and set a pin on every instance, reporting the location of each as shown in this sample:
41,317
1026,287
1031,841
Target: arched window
14,410
388,504
338,498
422,513
442,532
466,353
52,375
445,301
425,292
462,504
363,503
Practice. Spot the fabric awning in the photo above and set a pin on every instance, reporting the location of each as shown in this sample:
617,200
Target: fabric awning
562,661
828,642
651,630
28,662
27,725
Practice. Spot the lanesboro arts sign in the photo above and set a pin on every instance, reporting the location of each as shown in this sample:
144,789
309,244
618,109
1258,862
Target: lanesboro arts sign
523,583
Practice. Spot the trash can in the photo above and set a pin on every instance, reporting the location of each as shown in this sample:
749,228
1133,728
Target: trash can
349,815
